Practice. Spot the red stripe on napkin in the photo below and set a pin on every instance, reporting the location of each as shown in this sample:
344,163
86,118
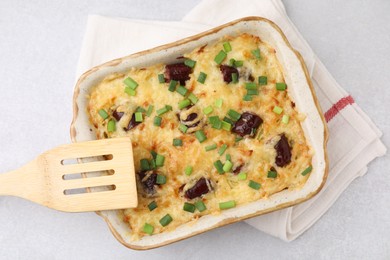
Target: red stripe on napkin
336,108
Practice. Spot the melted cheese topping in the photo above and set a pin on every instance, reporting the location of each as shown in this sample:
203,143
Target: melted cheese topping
256,155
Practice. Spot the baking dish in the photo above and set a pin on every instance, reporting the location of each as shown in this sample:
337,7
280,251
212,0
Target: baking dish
301,93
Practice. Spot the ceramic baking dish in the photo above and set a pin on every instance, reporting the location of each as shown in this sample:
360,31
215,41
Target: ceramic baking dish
300,90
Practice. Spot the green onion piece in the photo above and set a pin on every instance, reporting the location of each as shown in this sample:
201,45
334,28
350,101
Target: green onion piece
238,63
188,170
220,57
200,206
234,77
219,166
234,114
281,86
228,120
247,98
161,179
130,91
256,53
152,205
182,90
272,174
227,204
138,117
202,77
210,147
103,113
250,85
130,83
263,80
190,63
184,103
219,102
168,107
160,160
222,149
148,229
254,185
162,111
228,157
189,207
226,126
208,110
140,109
252,92
161,78
231,62
227,166
200,135
157,121
215,122
307,170
111,126
150,110
165,220
144,165
241,176
278,110
154,154
193,98
183,128
152,164
172,85
238,138
177,142
227,47
285,119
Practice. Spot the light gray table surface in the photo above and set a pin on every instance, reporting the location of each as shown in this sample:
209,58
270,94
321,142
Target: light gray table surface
39,47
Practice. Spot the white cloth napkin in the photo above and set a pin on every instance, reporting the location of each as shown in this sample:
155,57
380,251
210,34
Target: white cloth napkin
354,139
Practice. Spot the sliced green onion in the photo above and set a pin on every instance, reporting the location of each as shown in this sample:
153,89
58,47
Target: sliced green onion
238,63
161,179
183,128
231,62
103,113
210,147
263,80
200,135
200,206
227,47
234,114
202,77
281,86
219,166
182,90
226,126
130,91
152,164
252,92
254,185
144,165
138,117
228,157
162,111
208,110
148,229
238,138
227,204
250,85
234,77
190,63
219,102
152,205
285,119
164,221
189,207
111,125
307,170
256,53
157,121
140,109
222,149
172,85
130,83
168,107
161,78
272,174
150,110
247,98
215,122
160,160
184,103
227,166
228,120
193,98
220,57
278,110
241,176
188,170
154,154
177,142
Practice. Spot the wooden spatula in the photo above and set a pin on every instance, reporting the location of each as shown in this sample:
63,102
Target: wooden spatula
44,179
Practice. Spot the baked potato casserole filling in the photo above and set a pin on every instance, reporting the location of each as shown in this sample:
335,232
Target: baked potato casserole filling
212,131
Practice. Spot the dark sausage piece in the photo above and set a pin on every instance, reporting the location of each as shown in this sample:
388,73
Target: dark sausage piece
191,117
132,123
201,187
247,124
179,72
283,152
227,72
237,170
149,183
117,115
